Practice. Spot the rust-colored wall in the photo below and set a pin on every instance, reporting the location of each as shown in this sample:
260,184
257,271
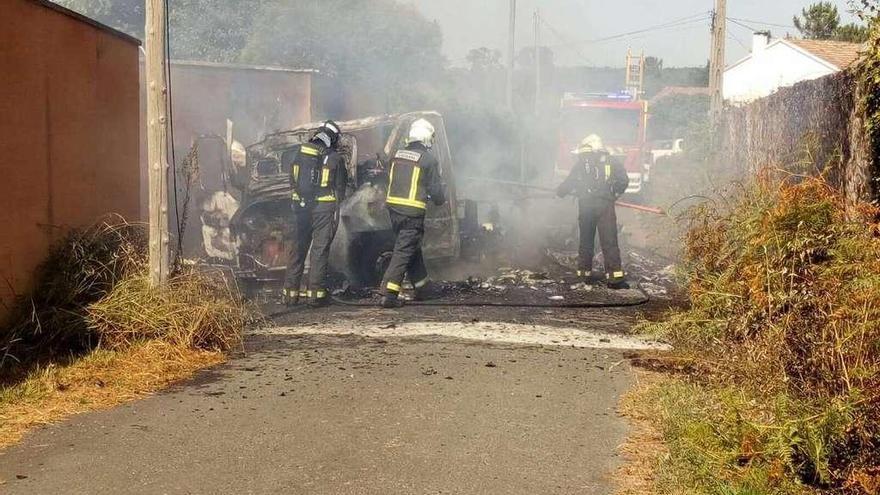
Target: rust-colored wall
257,100
69,141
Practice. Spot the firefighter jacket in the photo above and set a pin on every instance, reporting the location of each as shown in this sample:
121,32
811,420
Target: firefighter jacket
597,179
318,177
414,178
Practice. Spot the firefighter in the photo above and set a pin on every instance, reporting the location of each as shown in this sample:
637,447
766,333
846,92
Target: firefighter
598,181
414,179
318,179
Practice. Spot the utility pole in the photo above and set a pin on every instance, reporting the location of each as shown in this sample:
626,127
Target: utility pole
717,61
157,139
537,63
511,49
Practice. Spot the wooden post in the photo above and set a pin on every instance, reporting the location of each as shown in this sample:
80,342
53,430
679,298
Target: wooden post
157,139
537,63
717,62
511,55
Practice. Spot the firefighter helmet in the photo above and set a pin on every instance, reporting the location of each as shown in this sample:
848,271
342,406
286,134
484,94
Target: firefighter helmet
421,131
590,144
329,132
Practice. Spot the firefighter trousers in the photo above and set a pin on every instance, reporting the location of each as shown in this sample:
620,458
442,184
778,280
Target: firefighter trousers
407,260
602,220
315,228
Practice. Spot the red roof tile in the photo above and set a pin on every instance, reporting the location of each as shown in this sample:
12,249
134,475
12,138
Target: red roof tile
838,53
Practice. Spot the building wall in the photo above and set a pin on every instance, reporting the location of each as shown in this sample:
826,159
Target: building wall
810,128
68,133
777,66
257,101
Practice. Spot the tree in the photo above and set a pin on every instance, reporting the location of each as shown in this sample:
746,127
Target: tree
852,32
866,10
674,116
205,30
124,15
484,59
821,21
385,46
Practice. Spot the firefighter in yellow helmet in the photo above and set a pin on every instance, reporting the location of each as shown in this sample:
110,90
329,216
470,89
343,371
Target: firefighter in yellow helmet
598,181
414,179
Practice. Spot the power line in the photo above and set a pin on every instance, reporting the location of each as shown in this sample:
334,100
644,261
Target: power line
736,38
740,24
691,19
565,39
179,254
786,26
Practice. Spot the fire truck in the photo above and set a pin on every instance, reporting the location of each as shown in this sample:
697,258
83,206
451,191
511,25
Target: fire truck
621,119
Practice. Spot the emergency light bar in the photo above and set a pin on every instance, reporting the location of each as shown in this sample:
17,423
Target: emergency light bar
621,95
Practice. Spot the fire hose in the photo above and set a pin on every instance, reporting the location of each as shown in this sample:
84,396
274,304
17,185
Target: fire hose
643,300
646,209
371,303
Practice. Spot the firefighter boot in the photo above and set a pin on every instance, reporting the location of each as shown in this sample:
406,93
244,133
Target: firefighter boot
318,299
425,291
617,281
589,277
391,301
290,297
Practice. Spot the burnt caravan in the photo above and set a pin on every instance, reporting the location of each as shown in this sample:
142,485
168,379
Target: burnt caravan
261,226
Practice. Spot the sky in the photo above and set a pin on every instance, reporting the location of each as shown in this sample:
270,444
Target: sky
684,41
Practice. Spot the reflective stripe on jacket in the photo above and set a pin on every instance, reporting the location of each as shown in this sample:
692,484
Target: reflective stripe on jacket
405,184
313,176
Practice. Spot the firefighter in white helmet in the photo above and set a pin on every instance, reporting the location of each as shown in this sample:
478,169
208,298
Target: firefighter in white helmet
598,181
414,179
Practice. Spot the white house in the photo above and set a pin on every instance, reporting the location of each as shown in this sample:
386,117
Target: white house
784,62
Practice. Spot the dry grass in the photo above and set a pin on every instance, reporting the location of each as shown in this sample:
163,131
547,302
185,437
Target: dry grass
93,291
95,334
103,379
784,282
196,309
80,270
644,448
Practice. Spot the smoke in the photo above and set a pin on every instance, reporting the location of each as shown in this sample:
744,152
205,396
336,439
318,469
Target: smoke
388,56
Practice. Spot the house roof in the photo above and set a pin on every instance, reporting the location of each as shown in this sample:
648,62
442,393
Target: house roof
837,53
219,65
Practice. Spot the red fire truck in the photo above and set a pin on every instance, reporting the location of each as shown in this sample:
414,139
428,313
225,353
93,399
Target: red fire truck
620,119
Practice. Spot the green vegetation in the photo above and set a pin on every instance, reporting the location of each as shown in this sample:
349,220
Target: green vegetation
821,21
679,116
385,43
868,80
784,334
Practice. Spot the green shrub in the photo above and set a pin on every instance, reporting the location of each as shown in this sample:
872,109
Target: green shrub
784,281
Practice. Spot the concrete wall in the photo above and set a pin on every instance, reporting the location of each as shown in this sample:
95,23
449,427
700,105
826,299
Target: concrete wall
68,133
769,68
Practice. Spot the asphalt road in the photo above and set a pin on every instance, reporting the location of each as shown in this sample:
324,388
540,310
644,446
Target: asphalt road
340,408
